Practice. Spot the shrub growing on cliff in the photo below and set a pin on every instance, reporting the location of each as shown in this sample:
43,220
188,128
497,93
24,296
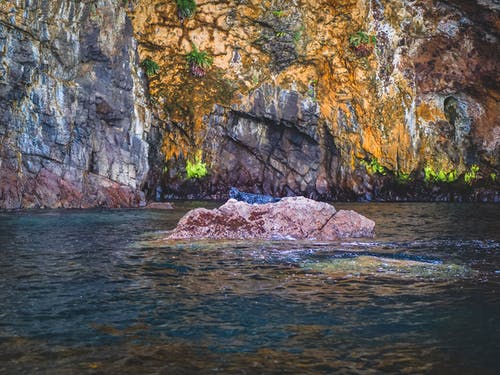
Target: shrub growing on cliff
186,8
362,44
150,67
373,166
403,178
471,175
198,62
430,175
196,169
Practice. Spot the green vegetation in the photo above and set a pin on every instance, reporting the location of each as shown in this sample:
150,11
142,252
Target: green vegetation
362,44
430,175
297,35
312,89
374,167
280,34
186,8
278,13
471,175
198,62
150,67
493,176
403,178
360,37
196,169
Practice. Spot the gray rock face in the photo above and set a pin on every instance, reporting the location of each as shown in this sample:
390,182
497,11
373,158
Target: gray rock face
290,218
273,146
73,118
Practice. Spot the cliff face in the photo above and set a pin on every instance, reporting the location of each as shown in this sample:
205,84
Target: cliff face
290,106
73,118
296,101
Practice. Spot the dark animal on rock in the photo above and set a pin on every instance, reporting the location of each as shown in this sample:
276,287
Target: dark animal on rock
251,198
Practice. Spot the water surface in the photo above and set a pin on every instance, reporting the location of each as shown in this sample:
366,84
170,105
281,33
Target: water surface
98,292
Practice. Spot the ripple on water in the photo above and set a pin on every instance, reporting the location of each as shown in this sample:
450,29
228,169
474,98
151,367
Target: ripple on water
101,292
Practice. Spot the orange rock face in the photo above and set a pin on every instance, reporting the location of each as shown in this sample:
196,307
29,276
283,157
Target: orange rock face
298,110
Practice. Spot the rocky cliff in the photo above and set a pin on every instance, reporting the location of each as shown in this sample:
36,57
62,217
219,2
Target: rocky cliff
329,99
73,114
344,99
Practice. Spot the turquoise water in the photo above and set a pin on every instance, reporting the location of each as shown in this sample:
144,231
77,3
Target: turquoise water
98,292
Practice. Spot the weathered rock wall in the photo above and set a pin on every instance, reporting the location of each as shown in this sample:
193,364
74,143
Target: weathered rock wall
288,107
73,112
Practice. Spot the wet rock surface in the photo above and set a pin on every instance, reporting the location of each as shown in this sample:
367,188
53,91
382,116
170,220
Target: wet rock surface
290,218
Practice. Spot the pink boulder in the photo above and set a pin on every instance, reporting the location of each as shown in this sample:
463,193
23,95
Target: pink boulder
290,218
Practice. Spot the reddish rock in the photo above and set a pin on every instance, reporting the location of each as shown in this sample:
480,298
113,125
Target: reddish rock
290,218
48,190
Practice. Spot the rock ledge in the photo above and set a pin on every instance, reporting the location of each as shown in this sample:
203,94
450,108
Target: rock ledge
290,218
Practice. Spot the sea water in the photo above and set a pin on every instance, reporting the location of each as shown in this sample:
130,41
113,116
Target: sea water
101,292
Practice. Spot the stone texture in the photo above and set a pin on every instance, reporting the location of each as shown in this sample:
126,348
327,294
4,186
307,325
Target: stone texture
290,218
287,108
301,114
73,111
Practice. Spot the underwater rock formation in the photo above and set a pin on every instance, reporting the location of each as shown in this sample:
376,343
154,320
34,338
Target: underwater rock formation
385,267
290,218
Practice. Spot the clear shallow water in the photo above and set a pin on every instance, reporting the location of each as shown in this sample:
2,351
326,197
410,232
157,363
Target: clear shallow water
97,292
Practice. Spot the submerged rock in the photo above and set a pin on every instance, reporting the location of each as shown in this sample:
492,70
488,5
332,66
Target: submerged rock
290,218
388,267
160,205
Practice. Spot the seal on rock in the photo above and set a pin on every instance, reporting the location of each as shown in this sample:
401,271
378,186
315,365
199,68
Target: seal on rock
251,198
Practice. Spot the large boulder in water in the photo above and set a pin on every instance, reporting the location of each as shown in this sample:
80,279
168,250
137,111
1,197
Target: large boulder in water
290,218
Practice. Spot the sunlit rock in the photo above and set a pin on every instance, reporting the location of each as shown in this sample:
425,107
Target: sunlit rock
290,218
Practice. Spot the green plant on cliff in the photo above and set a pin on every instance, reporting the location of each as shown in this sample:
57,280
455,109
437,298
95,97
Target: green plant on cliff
452,176
150,67
312,89
362,43
186,8
196,169
430,175
493,177
360,37
471,175
373,166
198,62
403,178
